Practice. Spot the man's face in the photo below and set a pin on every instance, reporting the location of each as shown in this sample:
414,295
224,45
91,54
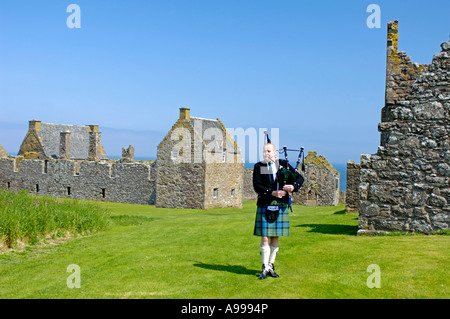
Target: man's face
269,153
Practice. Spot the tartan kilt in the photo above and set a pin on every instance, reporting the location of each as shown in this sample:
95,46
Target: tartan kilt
280,227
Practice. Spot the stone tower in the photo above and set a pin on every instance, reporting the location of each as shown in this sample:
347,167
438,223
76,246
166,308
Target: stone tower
405,186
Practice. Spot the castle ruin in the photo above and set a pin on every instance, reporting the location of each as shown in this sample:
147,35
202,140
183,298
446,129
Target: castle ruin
405,185
69,161
199,165
321,185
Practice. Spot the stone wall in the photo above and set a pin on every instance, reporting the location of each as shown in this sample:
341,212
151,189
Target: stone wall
249,192
342,197
47,140
180,181
3,152
202,169
352,195
104,181
405,185
321,185
223,185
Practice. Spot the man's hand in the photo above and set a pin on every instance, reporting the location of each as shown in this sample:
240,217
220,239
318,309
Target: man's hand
278,194
288,188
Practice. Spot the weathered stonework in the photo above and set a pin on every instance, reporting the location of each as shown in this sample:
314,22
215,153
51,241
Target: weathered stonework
46,140
223,185
249,192
127,155
69,161
195,170
405,186
104,181
321,185
3,152
64,145
352,194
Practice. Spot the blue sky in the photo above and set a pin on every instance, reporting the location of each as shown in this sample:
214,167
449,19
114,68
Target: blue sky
313,69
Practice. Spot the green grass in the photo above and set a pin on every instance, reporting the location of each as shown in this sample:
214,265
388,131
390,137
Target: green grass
150,252
28,219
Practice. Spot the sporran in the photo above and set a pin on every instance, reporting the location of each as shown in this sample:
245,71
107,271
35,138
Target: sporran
272,212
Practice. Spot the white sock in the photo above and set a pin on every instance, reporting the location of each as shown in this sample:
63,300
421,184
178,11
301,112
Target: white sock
273,254
265,254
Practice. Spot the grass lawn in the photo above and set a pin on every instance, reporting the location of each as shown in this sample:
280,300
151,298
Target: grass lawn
149,252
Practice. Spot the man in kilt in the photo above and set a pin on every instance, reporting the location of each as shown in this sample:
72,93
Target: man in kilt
272,214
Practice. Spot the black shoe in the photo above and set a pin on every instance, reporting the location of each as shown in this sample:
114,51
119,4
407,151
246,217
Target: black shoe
265,272
272,272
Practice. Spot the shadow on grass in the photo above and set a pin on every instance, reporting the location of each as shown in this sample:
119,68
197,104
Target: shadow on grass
340,212
332,229
235,269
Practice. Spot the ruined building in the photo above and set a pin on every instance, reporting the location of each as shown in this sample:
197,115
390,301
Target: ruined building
199,165
321,185
405,186
45,140
69,161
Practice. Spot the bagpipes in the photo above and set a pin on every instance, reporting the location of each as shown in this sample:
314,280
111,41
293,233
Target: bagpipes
289,177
